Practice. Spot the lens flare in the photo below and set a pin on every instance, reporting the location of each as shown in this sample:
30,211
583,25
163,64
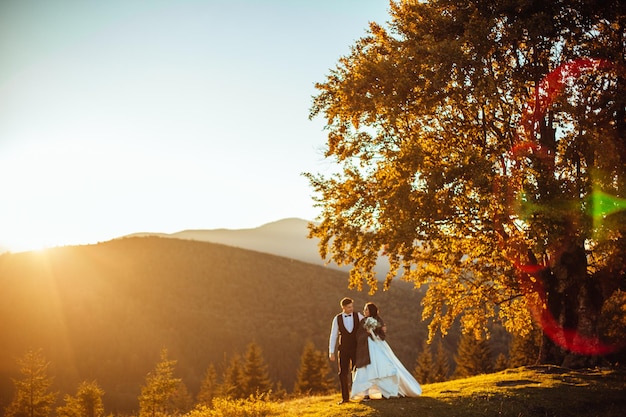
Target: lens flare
601,204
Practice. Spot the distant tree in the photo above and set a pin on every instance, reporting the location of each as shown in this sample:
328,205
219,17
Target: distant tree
181,400
473,357
524,350
614,319
32,397
160,386
86,403
71,408
208,387
502,362
425,366
256,377
441,364
233,381
313,376
279,392
89,396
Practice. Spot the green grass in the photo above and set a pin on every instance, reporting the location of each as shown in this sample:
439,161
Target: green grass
522,392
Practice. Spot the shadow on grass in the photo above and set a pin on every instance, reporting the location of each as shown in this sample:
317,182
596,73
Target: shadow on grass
520,392
421,406
575,394
479,405
483,405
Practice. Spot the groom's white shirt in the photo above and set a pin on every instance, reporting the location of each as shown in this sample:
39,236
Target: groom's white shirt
348,321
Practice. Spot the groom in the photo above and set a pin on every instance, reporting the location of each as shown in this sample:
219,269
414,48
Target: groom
344,329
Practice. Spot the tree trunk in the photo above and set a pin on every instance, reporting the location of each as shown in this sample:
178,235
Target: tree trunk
573,306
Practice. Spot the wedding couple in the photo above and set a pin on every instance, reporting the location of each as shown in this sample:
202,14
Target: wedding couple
360,342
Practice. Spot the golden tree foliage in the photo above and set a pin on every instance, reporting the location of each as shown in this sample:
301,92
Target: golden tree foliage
159,389
32,396
423,118
87,402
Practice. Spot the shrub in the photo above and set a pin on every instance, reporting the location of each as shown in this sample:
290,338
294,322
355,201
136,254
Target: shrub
253,406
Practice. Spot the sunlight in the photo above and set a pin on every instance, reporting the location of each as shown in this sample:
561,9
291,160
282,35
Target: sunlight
49,289
26,243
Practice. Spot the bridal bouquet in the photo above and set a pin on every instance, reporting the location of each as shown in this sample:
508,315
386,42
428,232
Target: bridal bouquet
371,324
374,328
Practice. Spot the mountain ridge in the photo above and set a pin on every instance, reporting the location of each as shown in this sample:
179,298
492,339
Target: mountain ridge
286,237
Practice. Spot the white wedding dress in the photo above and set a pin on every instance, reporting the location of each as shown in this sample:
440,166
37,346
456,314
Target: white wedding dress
385,376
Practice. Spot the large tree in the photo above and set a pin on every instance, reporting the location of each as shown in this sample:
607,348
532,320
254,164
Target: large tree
481,147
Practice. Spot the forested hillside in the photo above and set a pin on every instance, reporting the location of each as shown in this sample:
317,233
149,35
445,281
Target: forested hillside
104,312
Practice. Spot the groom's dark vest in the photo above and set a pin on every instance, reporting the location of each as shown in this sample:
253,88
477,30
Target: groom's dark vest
347,340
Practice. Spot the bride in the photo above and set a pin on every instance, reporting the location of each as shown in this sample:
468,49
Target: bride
379,373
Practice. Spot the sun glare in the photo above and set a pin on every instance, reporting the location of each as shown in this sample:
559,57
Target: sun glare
28,245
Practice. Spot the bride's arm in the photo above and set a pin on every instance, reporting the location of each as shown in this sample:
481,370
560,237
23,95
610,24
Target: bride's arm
374,335
382,331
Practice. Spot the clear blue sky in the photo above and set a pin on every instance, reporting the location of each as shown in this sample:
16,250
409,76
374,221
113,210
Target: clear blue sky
124,116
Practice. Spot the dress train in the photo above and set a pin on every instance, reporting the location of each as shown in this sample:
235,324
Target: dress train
385,376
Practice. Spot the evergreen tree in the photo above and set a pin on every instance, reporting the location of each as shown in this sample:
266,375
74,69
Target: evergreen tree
524,350
502,362
159,388
32,397
71,408
181,400
256,377
613,323
313,375
473,357
279,392
208,387
442,364
86,403
89,396
233,385
425,367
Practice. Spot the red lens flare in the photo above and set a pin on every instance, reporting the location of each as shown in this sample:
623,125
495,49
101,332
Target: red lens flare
529,274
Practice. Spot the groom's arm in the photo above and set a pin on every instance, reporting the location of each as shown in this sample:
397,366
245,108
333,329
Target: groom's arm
332,341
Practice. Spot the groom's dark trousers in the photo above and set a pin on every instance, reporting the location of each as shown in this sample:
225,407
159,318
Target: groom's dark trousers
347,355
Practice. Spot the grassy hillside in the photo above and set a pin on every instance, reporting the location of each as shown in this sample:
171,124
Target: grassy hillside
523,392
105,311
